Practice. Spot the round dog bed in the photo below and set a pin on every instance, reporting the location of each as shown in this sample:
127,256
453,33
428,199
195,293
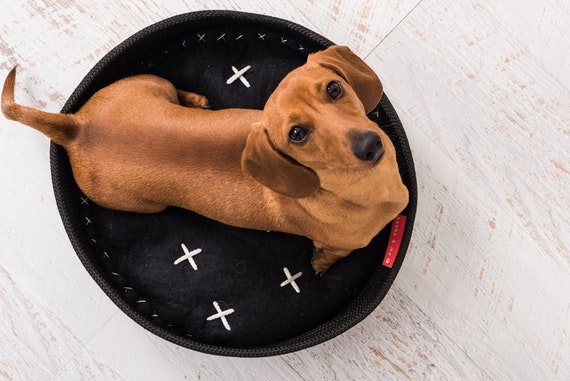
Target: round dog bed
201,284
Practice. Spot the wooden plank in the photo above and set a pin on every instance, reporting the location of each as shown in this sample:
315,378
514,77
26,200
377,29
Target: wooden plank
35,342
397,342
136,354
359,24
489,127
541,27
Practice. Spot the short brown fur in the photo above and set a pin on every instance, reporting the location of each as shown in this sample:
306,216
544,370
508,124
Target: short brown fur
141,145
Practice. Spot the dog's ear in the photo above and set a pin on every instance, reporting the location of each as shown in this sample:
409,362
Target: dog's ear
274,169
353,70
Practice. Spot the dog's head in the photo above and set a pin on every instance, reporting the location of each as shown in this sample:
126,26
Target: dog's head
315,123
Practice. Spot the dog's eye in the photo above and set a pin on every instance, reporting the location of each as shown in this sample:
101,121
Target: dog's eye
334,89
298,134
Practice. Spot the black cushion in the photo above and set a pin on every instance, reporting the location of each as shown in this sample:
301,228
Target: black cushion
199,283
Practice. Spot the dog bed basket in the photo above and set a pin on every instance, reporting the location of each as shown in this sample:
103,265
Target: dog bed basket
196,282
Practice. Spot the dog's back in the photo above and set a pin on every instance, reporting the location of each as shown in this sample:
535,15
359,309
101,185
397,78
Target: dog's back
133,147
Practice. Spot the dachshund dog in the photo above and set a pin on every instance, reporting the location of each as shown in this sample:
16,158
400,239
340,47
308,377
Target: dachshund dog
310,163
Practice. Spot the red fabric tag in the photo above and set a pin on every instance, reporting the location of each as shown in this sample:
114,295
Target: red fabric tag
394,241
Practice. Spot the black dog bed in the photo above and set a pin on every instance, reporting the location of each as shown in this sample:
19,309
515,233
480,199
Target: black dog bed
201,284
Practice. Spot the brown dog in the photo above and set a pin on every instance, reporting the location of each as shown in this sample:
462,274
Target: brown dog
311,163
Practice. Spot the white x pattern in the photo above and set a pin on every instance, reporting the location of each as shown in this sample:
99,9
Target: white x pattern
221,315
188,256
238,74
291,280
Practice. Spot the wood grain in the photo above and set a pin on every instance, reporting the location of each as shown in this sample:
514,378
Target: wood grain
487,122
482,88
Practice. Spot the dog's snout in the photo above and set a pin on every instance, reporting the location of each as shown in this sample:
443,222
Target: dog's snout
368,146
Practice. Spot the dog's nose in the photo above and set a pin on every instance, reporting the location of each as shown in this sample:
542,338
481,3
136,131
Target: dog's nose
368,146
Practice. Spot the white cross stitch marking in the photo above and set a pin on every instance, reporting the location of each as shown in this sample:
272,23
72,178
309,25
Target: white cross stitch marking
283,40
238,37
222,37
238,74
184,44
261,36
376,113
291,280
221,315
188,256
301,47
201,37
84,201
87,221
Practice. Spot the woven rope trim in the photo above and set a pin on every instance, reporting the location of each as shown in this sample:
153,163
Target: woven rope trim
69,198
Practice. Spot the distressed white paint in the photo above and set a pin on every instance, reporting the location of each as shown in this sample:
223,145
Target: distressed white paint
482,88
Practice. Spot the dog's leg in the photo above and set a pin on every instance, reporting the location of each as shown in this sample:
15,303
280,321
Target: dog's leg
189,99
323,259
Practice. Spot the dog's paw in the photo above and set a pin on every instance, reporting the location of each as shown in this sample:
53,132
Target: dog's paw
189,99
318,268
323,259
319,262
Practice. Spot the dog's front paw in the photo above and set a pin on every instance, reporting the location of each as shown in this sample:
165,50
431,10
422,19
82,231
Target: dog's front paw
189,99
317,262
323,259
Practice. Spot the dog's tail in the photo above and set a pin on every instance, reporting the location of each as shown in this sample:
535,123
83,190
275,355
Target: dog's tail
61,128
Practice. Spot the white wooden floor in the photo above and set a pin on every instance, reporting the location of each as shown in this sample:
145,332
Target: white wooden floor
482,88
